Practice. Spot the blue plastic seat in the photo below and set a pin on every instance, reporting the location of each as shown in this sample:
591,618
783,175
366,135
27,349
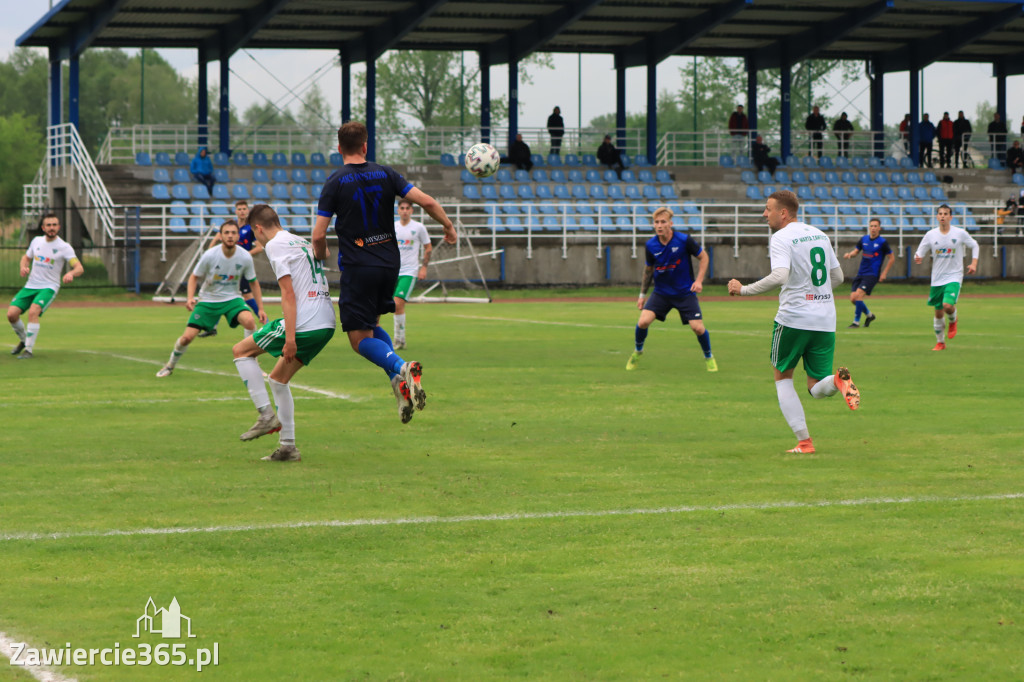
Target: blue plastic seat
180,192
142,159
507,192
855,193
197,208
861,208
584,207
544,192
557,175
921,193
628,176
610,176
858,162
318,175
160,192
337,159
163,159
842,162
597,192
864,178
725,161
539,175
645,176
317,159
587,223
554,160
260,175
831,178
891,163
803,192
299,175
938,194
219,209
593,176
839,193
663,176
875,162
907,162
240,159
667,192
896,178
748,177
809,162
904,194
513,224
179,207
579,192
641,160
298,159
754,193
826,162
882,178
261,191
521,176
221,193
278,175
633,192
798,177
220,175
624,223
821,193
503,175
815,177
161,175
259,159
552,224
181,175
848,178
562,192
470,192
446,160
782,176
764,176
547,208
221,159
537,159
1018,179
615,192
182,159
575,176
913,178
297,192
571,160
279,159
177,225
872,194
489,192
200,192
921,224
650,192
589,160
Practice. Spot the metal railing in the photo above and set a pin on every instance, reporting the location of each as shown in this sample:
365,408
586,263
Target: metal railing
67,157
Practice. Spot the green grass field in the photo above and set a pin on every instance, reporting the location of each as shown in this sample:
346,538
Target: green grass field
549,516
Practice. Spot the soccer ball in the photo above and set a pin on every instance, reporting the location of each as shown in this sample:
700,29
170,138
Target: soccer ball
482,160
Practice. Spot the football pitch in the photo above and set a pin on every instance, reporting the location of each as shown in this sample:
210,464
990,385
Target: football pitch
548,516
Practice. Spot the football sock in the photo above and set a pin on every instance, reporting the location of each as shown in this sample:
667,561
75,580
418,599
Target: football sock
824,388
31,333
705,343
285,409
246,333
381,354
379,333
951,318
641,336
252,377
400,326
251,302
792,410
19,329
859,309
940,328
176,354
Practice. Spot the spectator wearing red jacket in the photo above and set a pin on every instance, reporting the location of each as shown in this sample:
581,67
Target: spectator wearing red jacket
946,141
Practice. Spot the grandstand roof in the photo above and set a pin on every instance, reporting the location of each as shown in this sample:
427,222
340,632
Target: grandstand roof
896,34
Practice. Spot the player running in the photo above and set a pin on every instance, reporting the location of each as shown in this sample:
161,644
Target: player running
946,244
307,326
42,263
806,267
221,270
362,196
670,268
874,247
411,235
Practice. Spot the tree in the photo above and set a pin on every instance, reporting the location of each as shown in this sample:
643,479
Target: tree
21,147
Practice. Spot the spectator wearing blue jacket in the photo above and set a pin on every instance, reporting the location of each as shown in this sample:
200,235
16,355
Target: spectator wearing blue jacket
202,169
925,136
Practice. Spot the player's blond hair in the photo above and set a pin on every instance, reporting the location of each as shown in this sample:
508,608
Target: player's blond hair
787,200
662,210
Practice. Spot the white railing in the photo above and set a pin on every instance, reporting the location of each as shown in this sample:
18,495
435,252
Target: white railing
35,196
66,156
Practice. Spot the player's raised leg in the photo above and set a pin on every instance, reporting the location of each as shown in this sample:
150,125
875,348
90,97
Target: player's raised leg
180,346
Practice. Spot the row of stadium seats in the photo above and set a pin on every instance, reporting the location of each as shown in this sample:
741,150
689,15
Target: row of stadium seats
556,160
599,192
180,224
203,208
825,162
240,159
854,193
798,177
574,175
318,175
237,191
893,208
585,208
557,225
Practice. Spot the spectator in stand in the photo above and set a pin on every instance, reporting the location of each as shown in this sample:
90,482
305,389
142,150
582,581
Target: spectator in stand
556,129
1022,128
997,136
1006,216
1015,158
946,141
815,124
842,129
961,126
610,156
925,137
759,154
738,128
202,169
905,133
519,154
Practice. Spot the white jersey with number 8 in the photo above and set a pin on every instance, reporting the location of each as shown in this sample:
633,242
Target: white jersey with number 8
806,300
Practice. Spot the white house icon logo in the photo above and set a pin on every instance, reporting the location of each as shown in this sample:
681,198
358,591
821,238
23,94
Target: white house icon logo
164,622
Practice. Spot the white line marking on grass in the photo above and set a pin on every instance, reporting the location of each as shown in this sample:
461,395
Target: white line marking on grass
553,323
155,363
148,401
525,516
36,671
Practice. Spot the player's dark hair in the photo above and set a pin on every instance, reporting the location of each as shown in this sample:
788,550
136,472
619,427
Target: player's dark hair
264,216
47,216
405,201
944,206
229,221
241,202
786,200
875,220
351,137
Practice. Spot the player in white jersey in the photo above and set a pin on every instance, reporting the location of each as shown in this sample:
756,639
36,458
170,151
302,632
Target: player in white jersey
221,270
947,245
410,236
805,266
43,264
308,324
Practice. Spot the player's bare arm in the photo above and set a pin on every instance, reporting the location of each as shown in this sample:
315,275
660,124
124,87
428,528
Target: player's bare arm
851,254
890,259
973,267
25,266
288,308
319,238
427,250
434,210
190,300
645,285
258,295
702,269
76,271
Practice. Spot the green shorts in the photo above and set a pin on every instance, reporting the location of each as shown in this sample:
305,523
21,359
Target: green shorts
28,297
207,315
815,348
946,294
271,337
406,283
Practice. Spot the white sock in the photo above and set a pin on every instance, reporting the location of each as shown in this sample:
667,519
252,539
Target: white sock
940,328
825,388
31,332
176,354
792,410
285,410
246,333
252,377
19,329
400,327
951,317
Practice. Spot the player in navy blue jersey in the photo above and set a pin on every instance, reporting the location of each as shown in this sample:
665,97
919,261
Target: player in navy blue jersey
362,195
874,247
670,269
247,240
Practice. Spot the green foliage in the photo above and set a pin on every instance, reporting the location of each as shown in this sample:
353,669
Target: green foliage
21,147
23,78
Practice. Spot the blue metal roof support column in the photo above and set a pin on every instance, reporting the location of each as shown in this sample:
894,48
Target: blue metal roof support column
752,98
513,100
56,90
203,98
346,87
485,98
877,110
652,110
785,115
915,115
73,90
225,106
1000,74
371,109
620,102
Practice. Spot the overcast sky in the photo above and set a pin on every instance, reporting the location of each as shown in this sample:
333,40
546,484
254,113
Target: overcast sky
946,87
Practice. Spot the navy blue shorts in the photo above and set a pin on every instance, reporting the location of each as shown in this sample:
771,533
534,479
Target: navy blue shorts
366,294
865,282
245,288
688,307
